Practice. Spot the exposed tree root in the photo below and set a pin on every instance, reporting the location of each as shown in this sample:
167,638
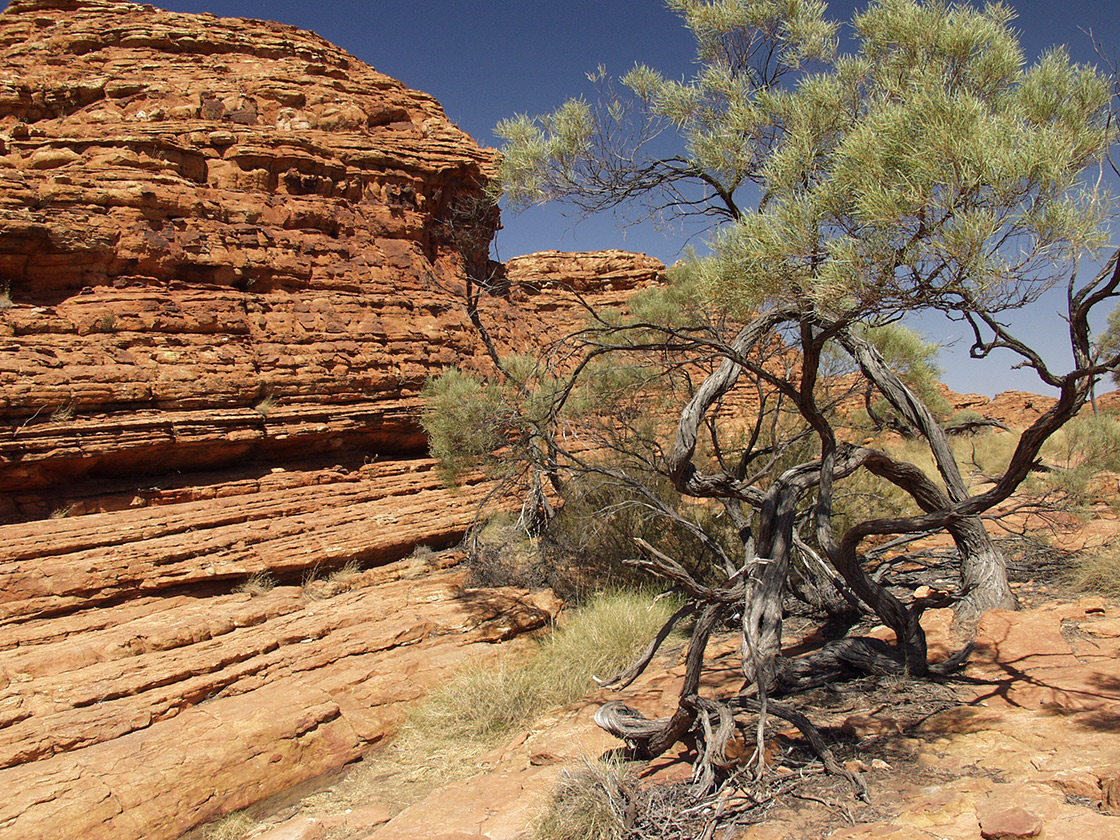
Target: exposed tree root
711,723
716,725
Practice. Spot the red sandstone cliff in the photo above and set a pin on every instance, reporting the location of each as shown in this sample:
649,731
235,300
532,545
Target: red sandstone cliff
226,269
198,215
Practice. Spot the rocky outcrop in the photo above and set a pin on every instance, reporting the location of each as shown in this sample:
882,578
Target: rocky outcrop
230,255
198,216
224,241
1018,409
148,718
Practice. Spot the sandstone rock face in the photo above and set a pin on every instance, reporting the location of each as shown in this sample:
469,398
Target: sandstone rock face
226,242
144,720
222,239
201,215
230,255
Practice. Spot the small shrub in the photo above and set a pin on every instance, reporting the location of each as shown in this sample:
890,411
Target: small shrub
107,323
63,413
966,415
466,419
62,512
592,536
5,298
1093,440
1082,450
503,554
257,584
861,421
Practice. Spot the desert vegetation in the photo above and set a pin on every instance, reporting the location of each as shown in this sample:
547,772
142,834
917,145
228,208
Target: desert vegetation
711,433
448,735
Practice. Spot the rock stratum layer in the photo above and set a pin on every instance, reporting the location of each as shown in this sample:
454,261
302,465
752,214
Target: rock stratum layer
230,255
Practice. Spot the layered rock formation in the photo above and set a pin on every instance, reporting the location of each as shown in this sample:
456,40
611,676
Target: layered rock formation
223,239
146,719
230,255
201,215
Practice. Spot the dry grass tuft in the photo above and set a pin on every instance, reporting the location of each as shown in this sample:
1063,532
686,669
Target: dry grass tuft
346,573
266,406
1095,571
485,703
587,805
419,562
257,584
312,587
230,827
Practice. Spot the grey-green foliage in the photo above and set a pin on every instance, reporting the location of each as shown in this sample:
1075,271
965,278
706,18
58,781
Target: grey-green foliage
500,423
678,303
930,168
466,418
1095,440
597,155
914,359
1092,446
948,176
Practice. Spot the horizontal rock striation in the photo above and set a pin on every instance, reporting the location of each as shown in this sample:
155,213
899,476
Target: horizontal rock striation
230,255
224,240
203,215
146,719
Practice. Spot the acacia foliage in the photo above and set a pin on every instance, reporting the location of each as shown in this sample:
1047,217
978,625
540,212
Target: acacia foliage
932,168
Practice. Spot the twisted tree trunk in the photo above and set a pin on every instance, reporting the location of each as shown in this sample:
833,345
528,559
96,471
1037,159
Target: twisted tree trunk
984,582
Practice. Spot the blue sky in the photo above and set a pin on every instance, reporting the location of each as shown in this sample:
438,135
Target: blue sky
486,60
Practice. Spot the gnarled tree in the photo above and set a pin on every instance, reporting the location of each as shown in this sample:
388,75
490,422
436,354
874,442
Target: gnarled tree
930,170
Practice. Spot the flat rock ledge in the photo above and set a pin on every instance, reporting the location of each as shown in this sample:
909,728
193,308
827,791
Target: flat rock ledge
146,719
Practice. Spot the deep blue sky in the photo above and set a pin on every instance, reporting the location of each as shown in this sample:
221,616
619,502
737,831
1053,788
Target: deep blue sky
486,60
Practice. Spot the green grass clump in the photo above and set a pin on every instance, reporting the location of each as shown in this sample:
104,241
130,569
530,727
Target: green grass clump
485,702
